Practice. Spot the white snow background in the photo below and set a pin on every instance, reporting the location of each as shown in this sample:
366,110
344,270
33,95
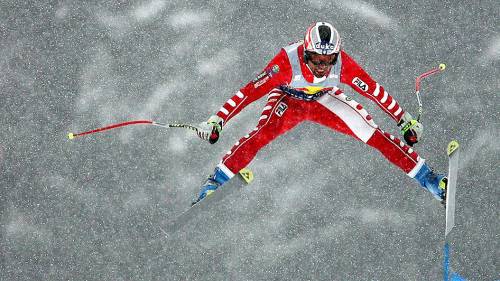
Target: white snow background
322,207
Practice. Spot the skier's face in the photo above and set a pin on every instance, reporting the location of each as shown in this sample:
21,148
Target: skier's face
320,65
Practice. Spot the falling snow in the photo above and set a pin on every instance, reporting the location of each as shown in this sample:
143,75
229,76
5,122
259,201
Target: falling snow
322,207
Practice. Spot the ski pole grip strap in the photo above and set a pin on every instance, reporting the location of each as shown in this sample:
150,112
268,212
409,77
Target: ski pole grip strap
408,126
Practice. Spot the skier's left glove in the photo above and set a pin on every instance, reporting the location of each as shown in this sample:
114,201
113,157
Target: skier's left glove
411,129
210,129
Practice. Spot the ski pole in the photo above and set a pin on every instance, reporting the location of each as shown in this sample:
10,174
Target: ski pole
440,68
214,136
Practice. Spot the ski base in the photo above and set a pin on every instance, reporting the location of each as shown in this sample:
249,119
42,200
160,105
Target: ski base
453,157
453,152
244,177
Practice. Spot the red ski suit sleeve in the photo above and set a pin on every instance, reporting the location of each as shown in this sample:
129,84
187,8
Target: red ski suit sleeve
354,76
277,72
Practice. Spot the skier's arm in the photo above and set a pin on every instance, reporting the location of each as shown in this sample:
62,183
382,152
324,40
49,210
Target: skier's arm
276,73
357,78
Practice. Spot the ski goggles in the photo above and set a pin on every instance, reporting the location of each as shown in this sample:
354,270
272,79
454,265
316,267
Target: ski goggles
324,63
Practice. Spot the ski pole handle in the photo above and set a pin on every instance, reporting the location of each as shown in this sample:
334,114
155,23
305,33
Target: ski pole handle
214,136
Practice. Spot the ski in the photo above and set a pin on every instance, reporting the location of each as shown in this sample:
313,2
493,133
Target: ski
453,157
453,152
244,177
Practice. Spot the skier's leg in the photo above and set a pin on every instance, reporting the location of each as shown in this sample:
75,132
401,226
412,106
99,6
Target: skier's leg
343,114
435,183
280,114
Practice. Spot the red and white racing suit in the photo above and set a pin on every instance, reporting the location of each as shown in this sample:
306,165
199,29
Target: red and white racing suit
323,103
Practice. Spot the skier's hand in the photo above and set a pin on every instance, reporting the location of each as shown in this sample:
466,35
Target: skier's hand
411,129
210,129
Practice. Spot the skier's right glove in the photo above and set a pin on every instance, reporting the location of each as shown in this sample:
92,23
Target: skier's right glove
210,129
411,129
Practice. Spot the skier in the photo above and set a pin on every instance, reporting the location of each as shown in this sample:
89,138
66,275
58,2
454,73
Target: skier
302,84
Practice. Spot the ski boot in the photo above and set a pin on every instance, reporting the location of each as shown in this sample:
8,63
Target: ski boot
435,183
213,182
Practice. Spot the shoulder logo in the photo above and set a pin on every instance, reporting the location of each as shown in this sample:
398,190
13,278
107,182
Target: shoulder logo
264,76
360,83
260,76
261,82
275,68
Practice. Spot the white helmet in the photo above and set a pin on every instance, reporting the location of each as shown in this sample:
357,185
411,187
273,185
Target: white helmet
322,38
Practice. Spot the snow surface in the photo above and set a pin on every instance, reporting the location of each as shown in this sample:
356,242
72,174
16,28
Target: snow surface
323,206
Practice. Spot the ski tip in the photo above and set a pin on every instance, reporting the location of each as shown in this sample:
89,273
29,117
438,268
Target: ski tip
442,66
247,175
452,146
71,136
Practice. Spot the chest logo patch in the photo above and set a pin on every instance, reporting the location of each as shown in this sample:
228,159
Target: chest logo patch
360,84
